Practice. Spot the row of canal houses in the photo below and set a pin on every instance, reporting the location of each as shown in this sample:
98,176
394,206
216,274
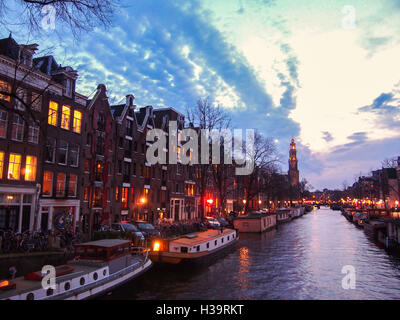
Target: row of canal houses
66,159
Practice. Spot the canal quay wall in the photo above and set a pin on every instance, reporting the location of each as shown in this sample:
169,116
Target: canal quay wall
34,261
30,262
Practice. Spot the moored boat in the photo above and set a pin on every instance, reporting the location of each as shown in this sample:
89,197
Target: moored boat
98,267
255,222
198,247
283,215
297,212
359,219
373,226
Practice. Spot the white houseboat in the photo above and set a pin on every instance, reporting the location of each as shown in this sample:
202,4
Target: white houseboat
198,247
98,267
297,212
283,215
255,222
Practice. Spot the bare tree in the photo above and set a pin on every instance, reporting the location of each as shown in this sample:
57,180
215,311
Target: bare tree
389,163
206,115
76,15
264,158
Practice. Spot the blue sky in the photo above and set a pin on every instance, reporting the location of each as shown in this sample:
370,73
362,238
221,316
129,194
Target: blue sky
302,69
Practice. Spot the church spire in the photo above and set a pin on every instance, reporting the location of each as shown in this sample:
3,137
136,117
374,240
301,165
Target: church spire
293,169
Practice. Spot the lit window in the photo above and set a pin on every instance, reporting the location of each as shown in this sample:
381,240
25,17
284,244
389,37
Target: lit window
47,183
97,197
14,166
33,133
116,193
62,152
1,164
17,133
36,103
30,169
77,121
73,182
65,117
86,194
3,123
53,110
124,198
73,157
4,87
60,186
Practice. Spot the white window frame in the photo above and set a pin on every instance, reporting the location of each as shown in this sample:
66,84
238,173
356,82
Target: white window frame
76,186
70,153
4,122
64,182
19,126
51,184
33,132
66,153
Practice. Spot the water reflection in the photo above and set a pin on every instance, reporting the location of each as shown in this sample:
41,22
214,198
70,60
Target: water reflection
301,259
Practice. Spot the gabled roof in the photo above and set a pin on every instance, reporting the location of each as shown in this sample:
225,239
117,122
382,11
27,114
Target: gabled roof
117,110
9,47
46,64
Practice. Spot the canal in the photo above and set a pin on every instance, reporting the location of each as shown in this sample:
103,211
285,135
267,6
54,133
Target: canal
302,259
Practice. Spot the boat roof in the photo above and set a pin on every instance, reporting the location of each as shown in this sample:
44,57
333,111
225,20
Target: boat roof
255,215
200,237
105,243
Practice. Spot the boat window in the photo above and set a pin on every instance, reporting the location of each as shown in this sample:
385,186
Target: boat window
233,236
215,242
222,240
49,292
95,276
67,286
104,272
228,237
102,254
80,252
184,249
91,253
208,245
82,281
198,248
30,296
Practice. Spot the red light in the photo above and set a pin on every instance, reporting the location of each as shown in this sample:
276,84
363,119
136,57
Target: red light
210,201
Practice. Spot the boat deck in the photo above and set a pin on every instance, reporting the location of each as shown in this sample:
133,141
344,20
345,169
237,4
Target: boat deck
199,237
23,285
80,268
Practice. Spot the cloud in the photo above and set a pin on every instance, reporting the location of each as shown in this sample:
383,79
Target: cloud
327,136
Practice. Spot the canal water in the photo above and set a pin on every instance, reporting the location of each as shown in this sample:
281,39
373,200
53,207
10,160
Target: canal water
302,259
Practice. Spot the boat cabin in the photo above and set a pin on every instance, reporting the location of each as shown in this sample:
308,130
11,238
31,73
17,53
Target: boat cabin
255,222
103,250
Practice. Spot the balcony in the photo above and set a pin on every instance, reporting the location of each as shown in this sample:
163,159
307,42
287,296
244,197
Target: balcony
126,178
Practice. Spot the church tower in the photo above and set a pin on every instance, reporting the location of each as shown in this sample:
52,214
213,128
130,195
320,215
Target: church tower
293,170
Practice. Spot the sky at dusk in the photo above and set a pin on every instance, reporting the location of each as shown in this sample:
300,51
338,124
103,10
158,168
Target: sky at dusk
287,68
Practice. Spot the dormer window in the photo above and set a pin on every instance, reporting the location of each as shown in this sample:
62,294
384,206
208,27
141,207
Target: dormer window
68,88
25,58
